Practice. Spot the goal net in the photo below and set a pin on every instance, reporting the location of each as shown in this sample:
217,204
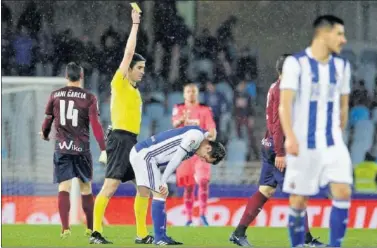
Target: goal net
28,194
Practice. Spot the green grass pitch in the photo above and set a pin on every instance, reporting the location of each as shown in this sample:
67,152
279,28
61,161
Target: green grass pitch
123,236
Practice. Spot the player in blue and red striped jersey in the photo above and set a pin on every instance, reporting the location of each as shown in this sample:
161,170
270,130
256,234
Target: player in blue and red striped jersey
72,108
273,166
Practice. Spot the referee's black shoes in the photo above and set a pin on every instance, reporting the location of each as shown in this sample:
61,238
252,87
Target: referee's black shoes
96,238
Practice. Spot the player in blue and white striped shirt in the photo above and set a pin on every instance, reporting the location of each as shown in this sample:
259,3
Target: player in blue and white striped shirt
168,149
313,108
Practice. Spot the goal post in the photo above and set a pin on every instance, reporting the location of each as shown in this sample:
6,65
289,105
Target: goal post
27,161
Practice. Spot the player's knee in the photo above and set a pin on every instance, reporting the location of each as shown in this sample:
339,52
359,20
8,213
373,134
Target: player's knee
143,191
267,191
298,201
189,189
85,188
157,195
65,186
109,187
203,184
341,191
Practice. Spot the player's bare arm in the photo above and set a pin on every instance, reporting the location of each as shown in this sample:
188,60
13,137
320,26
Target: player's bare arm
131,44
212,134
173,164
179,118
211,126
285,113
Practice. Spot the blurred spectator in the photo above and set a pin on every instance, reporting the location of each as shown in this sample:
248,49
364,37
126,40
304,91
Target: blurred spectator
226,39
374,95
23,45
7,51
110,56
6,15
218,103
244,116
225,31
89,56
366,175
64,45
31,18
165,16
223,68
45,50
359,95
205,46
247,64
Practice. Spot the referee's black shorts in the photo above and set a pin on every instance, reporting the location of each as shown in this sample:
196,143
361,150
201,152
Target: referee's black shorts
118,148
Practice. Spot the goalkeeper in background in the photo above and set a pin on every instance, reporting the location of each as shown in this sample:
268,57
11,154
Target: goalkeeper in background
72,108
126,110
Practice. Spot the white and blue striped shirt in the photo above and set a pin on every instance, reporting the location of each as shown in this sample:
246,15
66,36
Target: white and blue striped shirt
316,107
162,146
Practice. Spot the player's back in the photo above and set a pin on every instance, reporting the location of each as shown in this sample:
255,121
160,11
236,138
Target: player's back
161,147
71,110
316,109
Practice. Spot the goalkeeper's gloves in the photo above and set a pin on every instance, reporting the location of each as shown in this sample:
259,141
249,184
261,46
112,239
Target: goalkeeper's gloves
103,157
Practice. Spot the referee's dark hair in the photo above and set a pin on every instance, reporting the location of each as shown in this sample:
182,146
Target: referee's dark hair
326,21
73,72
218,151
280,62
136,58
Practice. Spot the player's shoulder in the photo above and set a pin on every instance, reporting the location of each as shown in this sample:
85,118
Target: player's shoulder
274,87
298,55
204,106
179,105
340,59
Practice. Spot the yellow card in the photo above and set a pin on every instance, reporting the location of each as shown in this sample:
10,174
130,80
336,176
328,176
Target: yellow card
136,7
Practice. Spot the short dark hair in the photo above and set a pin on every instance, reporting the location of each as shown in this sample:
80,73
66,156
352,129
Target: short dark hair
280,62
136,58
218,151
73,71
327,20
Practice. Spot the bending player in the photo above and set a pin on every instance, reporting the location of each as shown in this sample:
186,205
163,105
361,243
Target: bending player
126,107
313,109
169,148
72,108
194,170
273,166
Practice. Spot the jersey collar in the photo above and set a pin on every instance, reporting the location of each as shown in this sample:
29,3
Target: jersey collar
309,53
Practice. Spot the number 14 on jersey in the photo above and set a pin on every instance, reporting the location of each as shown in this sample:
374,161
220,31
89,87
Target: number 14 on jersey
71,114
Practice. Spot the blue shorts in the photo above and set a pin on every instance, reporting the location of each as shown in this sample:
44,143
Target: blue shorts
68,166
270,175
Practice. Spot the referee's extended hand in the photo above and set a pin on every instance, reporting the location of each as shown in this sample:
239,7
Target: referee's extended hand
103,158
135,17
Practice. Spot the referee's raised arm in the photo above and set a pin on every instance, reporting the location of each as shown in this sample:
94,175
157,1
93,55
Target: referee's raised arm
131,44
